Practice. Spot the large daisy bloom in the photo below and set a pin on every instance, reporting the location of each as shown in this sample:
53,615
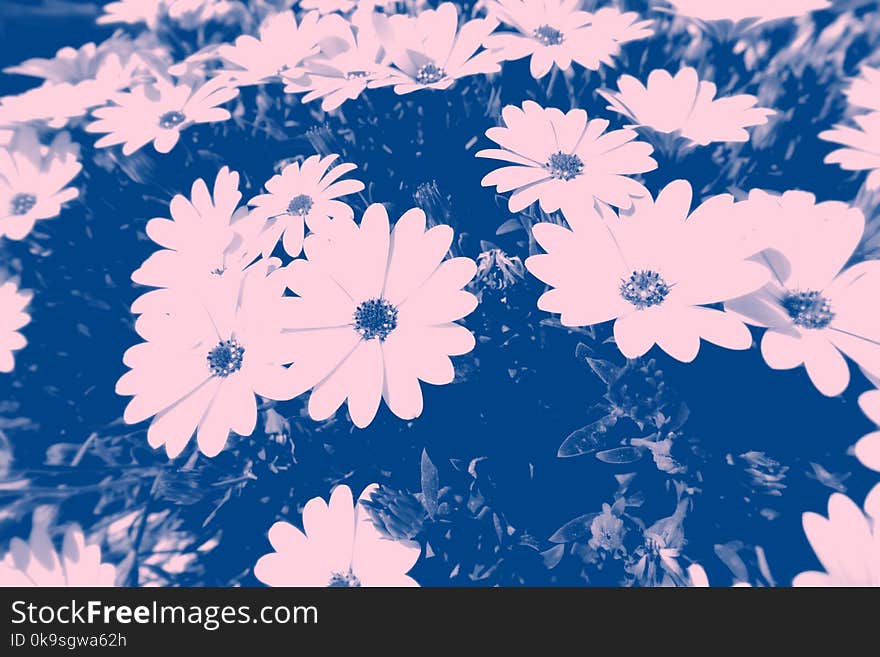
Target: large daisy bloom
564,160
868,448
746,9
813,308
34,179
862,147
37,562
12,317
301,195
847,543
375,314
339,546
559,32
201,364
158,112
280,48
685,105
653,272
430,51
206,247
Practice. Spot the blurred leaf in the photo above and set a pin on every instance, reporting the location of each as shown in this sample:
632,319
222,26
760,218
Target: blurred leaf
620,455
727,554
430,484
574,530
553,556
604,369
509,226
588,439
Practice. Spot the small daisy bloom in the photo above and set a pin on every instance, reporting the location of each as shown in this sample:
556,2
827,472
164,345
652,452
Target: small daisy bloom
746,9
559,32
565,160
814,308
430,51
868,448
37,563
847,543
133,12
280,48
33,180
653,271
158,112
12,317
205,249
685,105
862,152
302,195
201,364
350,58
375,314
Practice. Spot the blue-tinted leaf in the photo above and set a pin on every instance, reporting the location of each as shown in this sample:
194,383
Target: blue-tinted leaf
574,530
727,554
605,370
430,484
553,556
620,455
588,439
509,226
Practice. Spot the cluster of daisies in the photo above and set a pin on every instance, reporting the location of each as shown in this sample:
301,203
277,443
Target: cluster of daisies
290,293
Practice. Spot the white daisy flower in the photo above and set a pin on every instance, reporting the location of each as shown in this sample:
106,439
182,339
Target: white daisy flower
559,32
867,450
847,543
862,152
741,10
430,51
133,12
201,366
301,195
12,318
565,160
37,563
34,179
375,314
158,112
814,307
686,106
864,91
654,271
280,48
338,546
191,14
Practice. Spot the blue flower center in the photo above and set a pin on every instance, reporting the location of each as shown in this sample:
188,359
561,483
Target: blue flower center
429,73
226,358
565,166
644,289
356,75
375,318
22,203
171,119
808,309
548,36
348,579
300,204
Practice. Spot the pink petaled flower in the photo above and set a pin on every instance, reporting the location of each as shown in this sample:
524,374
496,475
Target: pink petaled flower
430,51
206,247
653,271
37,563
559,32
686,106
133,12
12,317
376,314
33,180
350,58
202,363
813,308
339,546
282,46
847,543
565,160
862,152
157,113
868,448
301,195
864,91
746,9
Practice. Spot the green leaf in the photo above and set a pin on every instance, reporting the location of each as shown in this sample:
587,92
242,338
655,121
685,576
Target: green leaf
509,226
430,485
604,369
588,439
620,455
727,554
574,530
553,556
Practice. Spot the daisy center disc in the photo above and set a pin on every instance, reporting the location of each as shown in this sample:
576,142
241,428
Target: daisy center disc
429,73
644,289
565,166
375,318
548,36
348,579
808,309
22,203
226,358
300,204
171,119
